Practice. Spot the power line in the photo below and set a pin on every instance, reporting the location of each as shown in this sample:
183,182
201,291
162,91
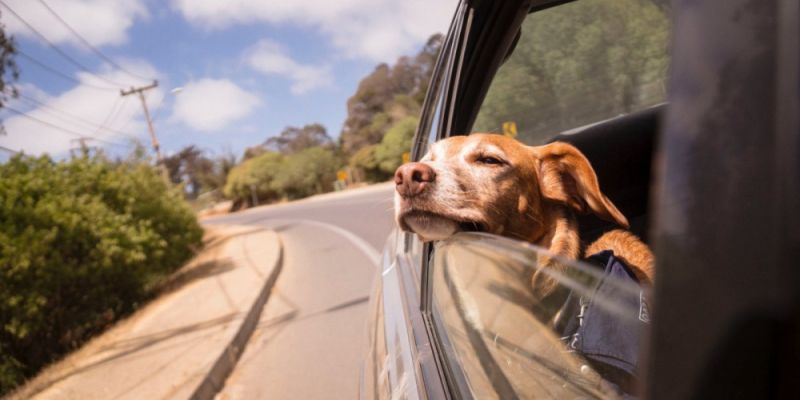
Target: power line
64,130
12,151
61,74
89,45
113,112
58,49
128,116
85,122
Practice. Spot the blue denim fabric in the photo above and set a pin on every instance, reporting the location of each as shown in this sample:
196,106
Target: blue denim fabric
608,341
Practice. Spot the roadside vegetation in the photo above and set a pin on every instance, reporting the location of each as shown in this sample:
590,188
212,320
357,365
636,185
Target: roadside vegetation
83,242
302,161
582,63
540,89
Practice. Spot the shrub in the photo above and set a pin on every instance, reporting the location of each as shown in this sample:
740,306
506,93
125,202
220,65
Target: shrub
81,243
389,153
307,172
367,166
255,173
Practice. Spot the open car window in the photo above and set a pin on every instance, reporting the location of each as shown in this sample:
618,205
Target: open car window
574,66
577,64
501,340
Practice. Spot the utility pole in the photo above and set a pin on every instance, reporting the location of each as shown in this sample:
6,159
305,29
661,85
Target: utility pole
153,138
83,146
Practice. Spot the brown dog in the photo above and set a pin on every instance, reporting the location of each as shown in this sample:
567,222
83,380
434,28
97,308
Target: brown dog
495,184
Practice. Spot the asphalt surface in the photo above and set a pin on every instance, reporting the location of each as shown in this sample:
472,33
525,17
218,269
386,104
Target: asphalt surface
311,336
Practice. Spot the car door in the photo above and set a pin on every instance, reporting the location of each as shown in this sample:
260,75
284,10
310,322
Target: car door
728,158
479,325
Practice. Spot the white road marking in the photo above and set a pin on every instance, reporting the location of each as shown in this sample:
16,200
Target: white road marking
372,254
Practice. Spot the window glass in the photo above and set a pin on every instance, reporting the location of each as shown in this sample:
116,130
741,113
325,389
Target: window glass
577,64
427,136
502,340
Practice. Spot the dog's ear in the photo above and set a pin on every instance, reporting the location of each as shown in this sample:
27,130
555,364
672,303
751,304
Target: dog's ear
566,177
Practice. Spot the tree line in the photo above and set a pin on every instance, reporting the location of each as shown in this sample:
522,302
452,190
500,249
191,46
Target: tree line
573,65
303,161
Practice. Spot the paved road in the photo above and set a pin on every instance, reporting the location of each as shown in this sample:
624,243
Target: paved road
311,336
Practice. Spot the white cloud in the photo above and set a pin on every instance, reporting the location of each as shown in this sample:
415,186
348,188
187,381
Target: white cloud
379,30
209,104
269,57
100,22
80,110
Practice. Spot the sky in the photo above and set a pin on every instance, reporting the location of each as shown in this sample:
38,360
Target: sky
230,73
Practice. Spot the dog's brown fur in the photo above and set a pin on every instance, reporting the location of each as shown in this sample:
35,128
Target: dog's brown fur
502,186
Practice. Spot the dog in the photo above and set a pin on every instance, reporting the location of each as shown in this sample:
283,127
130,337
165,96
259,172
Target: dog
495,184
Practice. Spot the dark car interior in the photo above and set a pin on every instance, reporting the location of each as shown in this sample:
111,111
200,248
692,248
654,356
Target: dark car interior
621,153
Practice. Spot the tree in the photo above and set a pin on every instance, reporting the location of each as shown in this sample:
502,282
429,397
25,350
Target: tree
9,72
253,177
365,166
292,139
386,96
193,169
218,176
577,64
307,172
389,153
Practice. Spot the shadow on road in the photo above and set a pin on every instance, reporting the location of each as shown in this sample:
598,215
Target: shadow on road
293,315
196,272
131,348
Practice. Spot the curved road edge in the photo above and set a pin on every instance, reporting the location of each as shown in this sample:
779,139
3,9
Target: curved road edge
214,381
184,341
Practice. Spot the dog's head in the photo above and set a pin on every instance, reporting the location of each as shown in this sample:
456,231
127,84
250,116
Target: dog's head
492,183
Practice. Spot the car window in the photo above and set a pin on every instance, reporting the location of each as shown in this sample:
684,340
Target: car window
502,340
577,64
427,133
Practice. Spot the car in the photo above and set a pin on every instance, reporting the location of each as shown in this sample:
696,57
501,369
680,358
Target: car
688,113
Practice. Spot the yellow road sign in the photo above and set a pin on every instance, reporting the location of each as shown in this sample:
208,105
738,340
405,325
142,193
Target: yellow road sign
406,157
341,175
510,129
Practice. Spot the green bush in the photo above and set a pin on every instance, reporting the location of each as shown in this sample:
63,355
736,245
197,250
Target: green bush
367,166
274,175
81,243
389,153
307,172
257,174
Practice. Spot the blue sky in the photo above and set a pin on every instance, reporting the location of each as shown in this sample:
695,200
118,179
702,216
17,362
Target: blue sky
245,68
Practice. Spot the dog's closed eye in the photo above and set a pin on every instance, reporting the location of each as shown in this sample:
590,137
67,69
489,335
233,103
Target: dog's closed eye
490,160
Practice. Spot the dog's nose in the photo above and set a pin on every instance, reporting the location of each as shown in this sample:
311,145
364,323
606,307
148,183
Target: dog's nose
413,178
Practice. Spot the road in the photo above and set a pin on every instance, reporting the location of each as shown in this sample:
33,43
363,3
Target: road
312,333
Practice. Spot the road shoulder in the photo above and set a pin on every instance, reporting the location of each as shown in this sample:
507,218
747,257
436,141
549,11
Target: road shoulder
184,342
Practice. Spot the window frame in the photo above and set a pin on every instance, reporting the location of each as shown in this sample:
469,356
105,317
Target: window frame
474,50
414,284
479,39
